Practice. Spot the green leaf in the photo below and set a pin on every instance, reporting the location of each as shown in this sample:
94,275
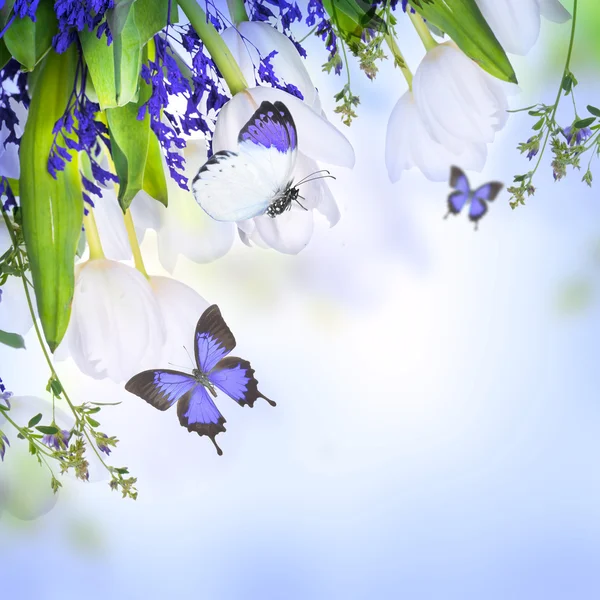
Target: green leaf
352,16
48,430
29,41
151,17
92,422
155,181
584,122
114,69
52,209
463,22
5,55
5,12
117,16
130,137
34,420
593,110
539,124
13,340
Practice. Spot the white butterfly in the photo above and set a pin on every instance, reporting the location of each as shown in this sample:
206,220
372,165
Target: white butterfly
258,179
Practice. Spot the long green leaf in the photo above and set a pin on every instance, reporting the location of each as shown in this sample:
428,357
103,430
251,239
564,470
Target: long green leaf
463,22
155,181
13,340
151,17
130,137
28,41
4,54
52,210
114,69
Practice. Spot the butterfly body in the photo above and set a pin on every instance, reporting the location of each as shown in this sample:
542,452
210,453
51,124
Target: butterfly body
476,199
213,341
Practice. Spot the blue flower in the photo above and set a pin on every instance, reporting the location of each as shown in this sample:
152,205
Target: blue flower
576,136
4,394
77,15
59,440
6,191
11,73
318,16
101,446
535,148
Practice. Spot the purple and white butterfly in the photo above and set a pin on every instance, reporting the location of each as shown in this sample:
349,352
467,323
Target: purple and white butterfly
463,194
258,178
213,341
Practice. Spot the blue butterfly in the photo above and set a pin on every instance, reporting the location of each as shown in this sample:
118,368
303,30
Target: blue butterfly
463,194
258,179
213,341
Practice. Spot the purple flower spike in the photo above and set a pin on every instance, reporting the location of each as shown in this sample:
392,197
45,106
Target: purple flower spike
577,136
3,443
103,447
59,440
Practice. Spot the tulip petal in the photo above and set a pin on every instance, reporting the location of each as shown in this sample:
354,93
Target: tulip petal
554,11
317,137
515,23
289,232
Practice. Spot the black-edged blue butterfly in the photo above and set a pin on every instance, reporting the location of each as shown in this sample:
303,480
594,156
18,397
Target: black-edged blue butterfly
213,341
258,179
463,194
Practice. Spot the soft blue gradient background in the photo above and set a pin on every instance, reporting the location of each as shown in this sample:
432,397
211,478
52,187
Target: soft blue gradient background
437,434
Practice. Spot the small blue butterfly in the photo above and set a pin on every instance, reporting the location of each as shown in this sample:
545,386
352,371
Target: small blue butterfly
463,194
213,341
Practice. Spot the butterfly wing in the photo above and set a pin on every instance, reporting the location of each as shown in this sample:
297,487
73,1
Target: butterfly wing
235,377
213,340
458,198
198,413
481,196
161,388
234,186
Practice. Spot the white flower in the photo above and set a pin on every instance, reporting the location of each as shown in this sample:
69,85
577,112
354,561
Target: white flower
183,227
111,226
516,23
181,308
116,327
252,40
460,105
318,140
14,311
409,145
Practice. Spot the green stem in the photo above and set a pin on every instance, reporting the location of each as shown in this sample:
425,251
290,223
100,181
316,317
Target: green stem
422,30
135,246
215,45
557,101
399,60
237,11
92,236
40,338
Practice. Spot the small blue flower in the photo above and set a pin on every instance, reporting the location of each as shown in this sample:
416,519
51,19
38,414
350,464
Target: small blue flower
535,148
4,394
103,447
77,15
59,440
576,136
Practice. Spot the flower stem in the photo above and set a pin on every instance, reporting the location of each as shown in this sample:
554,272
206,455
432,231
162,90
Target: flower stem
215,45
92,236
423,31
237,11
560,89
135,246
399,60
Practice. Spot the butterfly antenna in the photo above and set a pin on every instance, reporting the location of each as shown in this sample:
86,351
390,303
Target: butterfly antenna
311,174
189,355
178,366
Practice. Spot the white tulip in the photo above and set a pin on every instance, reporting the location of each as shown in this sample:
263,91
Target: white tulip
318,140
183,227
460,105
409,145
181,308
516,23
116,327
111,226
251,41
